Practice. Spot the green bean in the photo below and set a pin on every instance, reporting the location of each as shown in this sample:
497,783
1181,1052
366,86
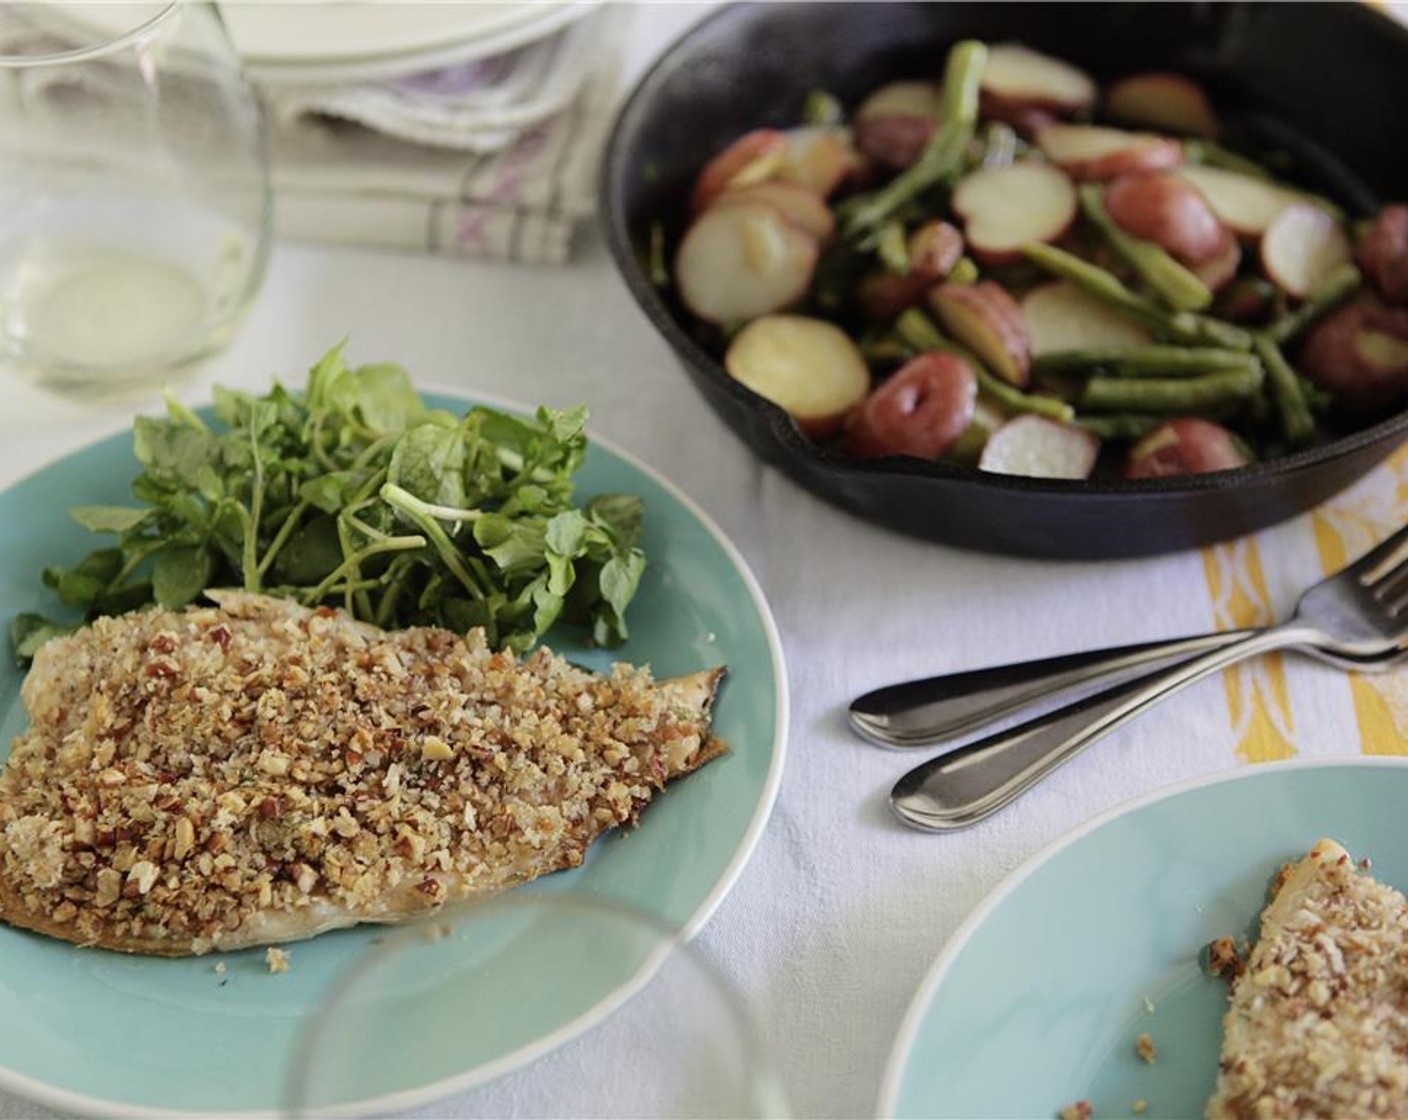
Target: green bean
890,247
1183,326
822,108
1122,425
1211,154
1328,294
1170,394
999,145
657,266
1291,406
964,272
1145,361
919,331
946,148
1169,280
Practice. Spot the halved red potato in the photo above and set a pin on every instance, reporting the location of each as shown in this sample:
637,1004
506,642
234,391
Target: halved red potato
1162,100
1185,445
1090,151
1040,448
1170,212
820,157
1359,353
808,367
1061,316
1243,203
881,296
800,205
1383,253
1004,208
894,123
934,248
744,260
921,410
1017,81
1301,247
751,158
984,318
1246,299
1221,269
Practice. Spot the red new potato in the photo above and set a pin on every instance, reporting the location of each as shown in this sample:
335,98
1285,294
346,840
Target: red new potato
1089,151
1360,354
920,411
883,295
1187,445
1060,316
1170,212
894,123
751,158
800,205
1245,204
1040,448
1383,254
1019,83
740,261
1218,272
818,157
1003,208
1163,101
1301,247
984,318
934,248
808,367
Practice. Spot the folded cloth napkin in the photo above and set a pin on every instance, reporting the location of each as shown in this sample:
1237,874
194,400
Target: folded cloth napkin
481,105
496,158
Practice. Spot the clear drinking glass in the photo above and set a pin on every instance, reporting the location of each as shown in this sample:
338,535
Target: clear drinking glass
134,191
447,1006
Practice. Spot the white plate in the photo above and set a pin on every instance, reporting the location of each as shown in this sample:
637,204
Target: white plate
325,43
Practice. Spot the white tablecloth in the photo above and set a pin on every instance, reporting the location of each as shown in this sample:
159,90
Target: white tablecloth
837,917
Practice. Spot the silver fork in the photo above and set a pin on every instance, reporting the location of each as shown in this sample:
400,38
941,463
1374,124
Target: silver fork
1359,615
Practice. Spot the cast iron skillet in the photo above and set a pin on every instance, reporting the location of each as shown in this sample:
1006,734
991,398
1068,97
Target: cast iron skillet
1332,77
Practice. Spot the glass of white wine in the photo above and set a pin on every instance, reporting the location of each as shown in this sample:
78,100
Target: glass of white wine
537,1003
134,192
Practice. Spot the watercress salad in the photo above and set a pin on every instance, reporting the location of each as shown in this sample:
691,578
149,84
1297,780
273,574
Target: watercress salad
353,493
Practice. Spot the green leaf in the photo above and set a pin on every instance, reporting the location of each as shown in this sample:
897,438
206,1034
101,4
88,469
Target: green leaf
171,453
179,575
566,533
515,546
80,585
620,577
384,398
29,631
310,555
330,492
624,514
429,461
110,519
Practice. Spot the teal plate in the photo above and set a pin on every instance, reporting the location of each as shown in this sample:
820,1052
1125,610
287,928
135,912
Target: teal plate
1037,1000
98,1032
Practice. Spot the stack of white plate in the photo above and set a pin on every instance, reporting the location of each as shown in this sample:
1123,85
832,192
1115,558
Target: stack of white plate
468,76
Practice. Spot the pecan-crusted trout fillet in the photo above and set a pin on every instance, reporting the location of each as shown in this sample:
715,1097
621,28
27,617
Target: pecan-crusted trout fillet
1318,1021
259,772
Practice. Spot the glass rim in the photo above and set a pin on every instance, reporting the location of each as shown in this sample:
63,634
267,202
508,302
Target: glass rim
96,50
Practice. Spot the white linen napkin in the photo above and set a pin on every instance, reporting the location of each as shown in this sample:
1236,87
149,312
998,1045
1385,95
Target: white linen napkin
470,162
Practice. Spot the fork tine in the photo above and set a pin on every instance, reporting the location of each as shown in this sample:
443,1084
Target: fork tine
1390,585
1382,560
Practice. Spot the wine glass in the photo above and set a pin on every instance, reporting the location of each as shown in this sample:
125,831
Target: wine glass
134,191
618,1015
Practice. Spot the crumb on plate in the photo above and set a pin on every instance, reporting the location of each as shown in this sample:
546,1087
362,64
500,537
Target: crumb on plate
1144,1047
276,959
1081,1110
